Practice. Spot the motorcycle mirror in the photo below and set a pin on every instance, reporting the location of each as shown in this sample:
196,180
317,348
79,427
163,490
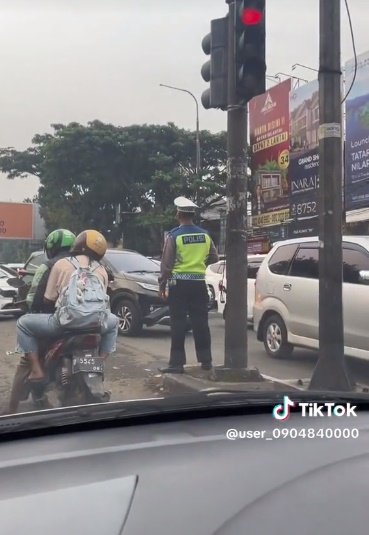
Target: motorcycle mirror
15,282
110,276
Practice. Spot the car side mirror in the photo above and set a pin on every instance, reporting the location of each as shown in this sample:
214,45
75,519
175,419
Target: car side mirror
15,282
364,276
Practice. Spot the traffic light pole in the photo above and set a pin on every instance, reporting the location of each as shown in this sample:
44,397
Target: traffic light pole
236,246
330,372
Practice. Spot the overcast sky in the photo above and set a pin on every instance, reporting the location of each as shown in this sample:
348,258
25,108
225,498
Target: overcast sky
80,60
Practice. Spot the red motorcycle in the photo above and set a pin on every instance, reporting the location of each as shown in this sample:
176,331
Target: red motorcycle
73,370
74,373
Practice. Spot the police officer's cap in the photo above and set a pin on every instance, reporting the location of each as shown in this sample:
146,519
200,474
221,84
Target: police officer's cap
185,205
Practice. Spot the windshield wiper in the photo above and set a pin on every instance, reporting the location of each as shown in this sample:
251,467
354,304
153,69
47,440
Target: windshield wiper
274,397
125,410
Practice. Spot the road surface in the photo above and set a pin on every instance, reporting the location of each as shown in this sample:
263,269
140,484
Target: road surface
130,371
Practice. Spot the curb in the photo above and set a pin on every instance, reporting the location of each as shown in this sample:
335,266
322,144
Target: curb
186,383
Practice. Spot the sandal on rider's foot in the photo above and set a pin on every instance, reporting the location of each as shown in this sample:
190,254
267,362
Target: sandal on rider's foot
37,387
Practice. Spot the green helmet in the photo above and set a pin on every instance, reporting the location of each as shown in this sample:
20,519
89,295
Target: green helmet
58,240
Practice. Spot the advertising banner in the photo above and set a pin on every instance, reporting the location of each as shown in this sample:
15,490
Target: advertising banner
269,139
304,228
16,221
258,245
357,135
303,171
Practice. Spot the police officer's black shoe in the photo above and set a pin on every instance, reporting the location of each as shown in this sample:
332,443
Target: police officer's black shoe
206,366
172,369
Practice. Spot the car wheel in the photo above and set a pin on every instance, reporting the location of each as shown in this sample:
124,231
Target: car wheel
275,338
130,317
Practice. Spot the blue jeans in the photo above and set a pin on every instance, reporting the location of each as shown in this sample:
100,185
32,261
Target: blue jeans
32,327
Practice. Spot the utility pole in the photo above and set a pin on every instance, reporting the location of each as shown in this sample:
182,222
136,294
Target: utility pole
236,247
330,372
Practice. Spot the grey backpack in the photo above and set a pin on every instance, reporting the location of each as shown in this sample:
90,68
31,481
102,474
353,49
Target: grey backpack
83,303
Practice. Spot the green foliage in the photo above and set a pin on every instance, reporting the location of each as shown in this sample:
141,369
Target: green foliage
270,165
17,251
85,172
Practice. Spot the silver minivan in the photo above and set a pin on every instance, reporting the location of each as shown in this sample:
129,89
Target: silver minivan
286,309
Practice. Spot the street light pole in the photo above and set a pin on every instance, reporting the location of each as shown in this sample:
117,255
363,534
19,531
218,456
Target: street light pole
198,153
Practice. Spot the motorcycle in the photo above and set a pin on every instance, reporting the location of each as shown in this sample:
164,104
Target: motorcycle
73,370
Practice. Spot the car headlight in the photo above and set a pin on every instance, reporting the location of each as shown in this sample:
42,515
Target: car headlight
151,287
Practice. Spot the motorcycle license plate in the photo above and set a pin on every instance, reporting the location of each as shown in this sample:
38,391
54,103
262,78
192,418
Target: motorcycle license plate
86,362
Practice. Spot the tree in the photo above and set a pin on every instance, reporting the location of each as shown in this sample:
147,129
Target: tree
17,250
86,172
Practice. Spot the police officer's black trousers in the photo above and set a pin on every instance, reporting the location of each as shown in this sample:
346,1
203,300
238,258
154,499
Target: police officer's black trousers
188,297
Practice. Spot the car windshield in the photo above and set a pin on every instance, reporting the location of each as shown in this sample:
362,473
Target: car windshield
212,158
131,263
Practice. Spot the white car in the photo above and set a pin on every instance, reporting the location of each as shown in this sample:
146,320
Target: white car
286,310
213,276
15,265
7,295
155,260
253,264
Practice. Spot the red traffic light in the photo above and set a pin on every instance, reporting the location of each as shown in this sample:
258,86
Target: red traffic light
251,16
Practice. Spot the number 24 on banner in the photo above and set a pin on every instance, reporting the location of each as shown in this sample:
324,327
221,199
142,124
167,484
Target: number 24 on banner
284,159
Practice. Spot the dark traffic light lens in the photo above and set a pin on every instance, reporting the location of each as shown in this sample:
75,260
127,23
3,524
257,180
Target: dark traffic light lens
251,17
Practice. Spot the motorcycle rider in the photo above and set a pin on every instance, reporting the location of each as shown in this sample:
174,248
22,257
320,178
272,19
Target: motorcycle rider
89,245
56,246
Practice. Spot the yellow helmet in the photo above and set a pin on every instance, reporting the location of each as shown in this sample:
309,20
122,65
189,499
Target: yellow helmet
90,243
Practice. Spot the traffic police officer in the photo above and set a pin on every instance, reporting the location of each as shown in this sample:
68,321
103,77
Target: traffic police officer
187,251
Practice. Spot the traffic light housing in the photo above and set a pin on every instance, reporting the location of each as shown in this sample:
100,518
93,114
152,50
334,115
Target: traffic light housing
250,48
215,70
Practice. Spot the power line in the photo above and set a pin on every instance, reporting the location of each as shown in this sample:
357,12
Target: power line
354,49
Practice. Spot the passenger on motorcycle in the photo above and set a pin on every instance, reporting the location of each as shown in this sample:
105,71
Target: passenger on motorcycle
89,246
57,245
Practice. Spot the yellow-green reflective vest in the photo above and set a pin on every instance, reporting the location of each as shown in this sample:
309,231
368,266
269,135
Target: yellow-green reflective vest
192,249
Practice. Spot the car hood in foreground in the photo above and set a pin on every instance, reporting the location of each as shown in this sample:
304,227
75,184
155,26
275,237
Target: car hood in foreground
186,477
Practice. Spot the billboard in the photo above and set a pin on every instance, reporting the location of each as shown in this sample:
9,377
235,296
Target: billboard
258,245
303,171
304,228
17,221
357,135
269,140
